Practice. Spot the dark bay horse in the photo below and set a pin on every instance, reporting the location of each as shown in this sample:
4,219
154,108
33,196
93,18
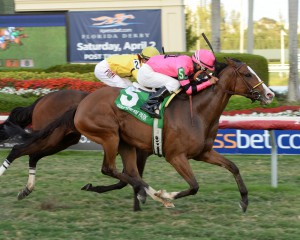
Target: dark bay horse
36,117
187,134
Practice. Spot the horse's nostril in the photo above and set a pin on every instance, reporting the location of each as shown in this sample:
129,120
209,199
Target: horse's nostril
270,95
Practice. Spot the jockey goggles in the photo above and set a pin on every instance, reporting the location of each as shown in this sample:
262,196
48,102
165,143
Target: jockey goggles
202,67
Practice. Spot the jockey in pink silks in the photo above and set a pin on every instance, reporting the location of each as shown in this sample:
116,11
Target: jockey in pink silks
170,72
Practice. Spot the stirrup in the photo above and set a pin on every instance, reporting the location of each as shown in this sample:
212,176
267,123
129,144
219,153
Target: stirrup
150,111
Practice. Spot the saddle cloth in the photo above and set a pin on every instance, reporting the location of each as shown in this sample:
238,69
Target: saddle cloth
131,99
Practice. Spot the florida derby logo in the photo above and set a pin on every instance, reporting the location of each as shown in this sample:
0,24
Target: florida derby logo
119,19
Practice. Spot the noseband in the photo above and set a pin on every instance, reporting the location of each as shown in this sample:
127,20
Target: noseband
252,93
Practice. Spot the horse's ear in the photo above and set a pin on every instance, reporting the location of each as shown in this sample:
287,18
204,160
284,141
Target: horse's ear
229,61
219,66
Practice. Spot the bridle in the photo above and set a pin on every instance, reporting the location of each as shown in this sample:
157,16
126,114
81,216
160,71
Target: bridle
252,93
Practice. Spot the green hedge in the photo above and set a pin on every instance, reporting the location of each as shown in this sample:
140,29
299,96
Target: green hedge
78,68
10,101
258,63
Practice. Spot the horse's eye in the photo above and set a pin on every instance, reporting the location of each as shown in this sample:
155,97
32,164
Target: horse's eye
248,75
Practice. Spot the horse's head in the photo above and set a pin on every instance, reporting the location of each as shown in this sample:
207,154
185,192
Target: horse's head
242,80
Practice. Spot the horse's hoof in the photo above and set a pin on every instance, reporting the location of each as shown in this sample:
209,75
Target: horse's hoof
169,205
160,193
137,209
141,198
87,187
21,196
243,206
24,193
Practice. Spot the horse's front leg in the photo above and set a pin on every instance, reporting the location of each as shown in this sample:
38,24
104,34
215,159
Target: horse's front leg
132,176
182,166
215,158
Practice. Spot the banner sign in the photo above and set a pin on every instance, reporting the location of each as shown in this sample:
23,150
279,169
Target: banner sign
234,141
32,40
228,141
95,35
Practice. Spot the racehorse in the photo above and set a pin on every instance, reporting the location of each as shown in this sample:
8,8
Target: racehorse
37,116
186,135
118,131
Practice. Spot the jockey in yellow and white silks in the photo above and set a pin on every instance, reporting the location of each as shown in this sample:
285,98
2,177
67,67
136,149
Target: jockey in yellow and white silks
119,70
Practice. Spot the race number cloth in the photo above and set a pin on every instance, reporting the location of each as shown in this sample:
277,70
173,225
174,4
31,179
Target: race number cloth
131,99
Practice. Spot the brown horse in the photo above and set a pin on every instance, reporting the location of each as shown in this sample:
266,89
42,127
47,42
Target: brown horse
36,117
186,135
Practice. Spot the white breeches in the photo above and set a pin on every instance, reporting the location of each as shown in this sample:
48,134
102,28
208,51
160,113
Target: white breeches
148,78
104,74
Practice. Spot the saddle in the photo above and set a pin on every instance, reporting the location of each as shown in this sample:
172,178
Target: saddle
151,90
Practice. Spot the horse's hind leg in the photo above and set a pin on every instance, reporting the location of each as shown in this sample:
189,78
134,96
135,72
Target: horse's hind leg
141,157
141,161
215,158
129,159
103,189
61,144
38,147
131,175
33,146
31,178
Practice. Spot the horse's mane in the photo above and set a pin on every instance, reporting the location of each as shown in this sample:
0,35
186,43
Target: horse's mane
219,66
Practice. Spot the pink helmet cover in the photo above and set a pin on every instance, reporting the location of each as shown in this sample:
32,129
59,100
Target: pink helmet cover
205,58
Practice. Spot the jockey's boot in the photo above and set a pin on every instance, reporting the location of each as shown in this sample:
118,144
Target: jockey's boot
154,101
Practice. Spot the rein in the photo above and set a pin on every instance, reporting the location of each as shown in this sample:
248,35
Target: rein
253,95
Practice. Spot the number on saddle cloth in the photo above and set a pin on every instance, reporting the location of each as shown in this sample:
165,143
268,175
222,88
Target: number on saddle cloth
131,99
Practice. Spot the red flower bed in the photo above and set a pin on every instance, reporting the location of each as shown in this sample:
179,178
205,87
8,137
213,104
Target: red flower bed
53,84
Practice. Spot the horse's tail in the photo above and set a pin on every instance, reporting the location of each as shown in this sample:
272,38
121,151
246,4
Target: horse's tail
65,123
18,119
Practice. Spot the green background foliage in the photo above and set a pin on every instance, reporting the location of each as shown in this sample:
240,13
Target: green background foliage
258,63
266,31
